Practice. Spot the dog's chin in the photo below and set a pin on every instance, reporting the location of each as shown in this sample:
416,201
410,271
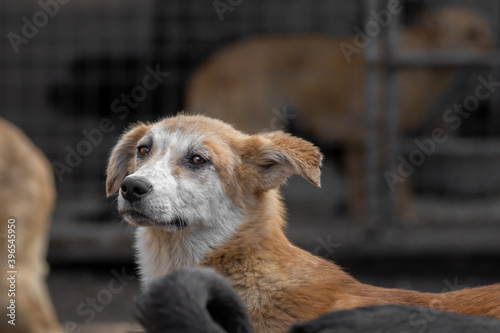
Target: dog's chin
139,219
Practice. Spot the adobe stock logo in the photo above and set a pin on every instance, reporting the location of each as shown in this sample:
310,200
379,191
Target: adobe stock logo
40,19
225,6
453,117
373,28
91,306
121,108
325,248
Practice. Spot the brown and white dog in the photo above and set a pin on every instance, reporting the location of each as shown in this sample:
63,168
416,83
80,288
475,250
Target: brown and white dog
202,193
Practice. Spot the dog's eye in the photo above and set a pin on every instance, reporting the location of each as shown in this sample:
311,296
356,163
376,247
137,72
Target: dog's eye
197,160
143,150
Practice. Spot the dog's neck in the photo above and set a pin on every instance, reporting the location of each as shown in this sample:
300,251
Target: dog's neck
161,252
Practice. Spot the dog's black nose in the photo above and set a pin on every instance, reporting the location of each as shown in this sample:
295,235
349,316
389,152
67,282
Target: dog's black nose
133,189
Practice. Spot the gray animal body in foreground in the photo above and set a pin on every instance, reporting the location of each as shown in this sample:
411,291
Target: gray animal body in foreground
192,300
397,319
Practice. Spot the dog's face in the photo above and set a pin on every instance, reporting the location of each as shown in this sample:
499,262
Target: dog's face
197,172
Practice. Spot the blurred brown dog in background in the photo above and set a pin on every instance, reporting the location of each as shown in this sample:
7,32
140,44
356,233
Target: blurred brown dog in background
246,81
27,197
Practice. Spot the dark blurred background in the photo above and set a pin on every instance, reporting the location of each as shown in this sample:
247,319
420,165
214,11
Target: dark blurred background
64,80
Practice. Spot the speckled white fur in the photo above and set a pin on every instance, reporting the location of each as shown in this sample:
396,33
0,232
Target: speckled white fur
211,215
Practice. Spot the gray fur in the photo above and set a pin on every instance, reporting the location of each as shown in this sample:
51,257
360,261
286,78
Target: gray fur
397,319
192,300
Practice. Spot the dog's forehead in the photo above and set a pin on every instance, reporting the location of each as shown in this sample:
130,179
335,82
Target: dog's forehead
198,124
177,139
185,132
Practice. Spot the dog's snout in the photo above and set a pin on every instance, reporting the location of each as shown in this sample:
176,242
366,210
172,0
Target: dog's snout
133,189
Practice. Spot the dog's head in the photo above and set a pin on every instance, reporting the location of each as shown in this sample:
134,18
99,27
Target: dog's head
198,172
455,28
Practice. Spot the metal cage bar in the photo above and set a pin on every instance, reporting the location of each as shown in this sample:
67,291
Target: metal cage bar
372,56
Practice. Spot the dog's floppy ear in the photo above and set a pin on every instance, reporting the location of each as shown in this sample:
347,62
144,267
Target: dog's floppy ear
122,156
273,157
